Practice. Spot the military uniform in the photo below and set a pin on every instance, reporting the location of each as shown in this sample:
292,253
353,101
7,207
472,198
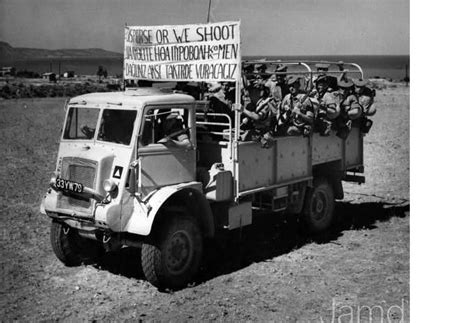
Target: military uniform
349,103
321,74
294,113
326,105
258,123
277,84
265,110
218,102
350,108
173,131
365,97
325,97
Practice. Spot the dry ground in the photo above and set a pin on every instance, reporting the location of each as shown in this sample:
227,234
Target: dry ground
272,273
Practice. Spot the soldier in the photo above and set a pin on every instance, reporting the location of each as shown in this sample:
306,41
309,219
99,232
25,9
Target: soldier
252,81
112,127
258,121
365,97
218,102
321,72
296,113
247,69
350,108
277,84
349,103
327,105
229,91
261,68
174,131
326,97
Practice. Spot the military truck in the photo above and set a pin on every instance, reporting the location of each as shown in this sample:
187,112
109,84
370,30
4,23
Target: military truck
157,170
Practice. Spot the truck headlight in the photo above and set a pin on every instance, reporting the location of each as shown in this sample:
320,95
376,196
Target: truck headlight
109,185
52,181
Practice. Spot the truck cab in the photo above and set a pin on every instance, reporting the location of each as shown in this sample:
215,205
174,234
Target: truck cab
116,151
103,134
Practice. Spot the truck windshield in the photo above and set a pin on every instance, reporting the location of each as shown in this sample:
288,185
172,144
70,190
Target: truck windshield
81,123
117,126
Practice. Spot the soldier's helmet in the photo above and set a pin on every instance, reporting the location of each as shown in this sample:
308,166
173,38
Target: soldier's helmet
360,82
293,80
249,68
345,84
321,67
320,79
281,68
260,67
214,87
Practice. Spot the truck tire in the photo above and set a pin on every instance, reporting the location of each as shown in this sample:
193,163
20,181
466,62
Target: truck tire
71,248
173,259
318,214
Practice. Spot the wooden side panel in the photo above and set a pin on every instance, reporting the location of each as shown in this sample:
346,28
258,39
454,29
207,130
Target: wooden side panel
354,153
292,158
256,166
326,149
287,160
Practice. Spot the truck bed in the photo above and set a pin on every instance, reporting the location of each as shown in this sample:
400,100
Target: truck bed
289,160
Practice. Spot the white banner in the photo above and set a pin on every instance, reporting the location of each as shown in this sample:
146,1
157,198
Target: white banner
207,52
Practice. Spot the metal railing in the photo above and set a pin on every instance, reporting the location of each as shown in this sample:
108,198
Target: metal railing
339,64
224,125
206,122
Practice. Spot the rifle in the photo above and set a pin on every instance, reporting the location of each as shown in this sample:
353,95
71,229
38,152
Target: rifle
306,96
263,104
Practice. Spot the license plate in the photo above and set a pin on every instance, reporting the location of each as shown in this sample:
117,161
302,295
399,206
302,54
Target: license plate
67,185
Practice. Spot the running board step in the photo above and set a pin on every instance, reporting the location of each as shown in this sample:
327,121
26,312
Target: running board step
355,178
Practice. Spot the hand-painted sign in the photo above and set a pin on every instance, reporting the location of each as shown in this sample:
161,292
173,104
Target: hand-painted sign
207,52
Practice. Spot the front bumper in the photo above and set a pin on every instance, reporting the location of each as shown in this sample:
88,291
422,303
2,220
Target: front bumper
104,216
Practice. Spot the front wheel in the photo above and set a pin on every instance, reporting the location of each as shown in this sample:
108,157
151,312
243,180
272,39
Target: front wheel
174,257
71,248
319,209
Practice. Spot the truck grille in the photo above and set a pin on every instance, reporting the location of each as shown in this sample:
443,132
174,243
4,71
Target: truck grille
82,174
82,171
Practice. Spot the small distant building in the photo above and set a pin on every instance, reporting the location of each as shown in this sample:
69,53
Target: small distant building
68,74
49,76
7,71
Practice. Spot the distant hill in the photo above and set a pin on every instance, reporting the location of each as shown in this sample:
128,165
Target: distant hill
7,52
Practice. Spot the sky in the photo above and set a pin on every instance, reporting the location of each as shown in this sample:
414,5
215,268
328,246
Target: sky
268,27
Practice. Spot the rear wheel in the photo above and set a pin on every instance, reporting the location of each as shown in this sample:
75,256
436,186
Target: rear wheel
173,259
71,248
319,210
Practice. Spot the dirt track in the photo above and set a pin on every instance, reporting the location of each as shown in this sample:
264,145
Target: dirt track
274,273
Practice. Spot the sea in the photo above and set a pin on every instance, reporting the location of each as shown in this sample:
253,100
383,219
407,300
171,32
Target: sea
392,67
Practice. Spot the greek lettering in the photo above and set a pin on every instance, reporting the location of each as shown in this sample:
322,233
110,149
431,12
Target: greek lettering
208,52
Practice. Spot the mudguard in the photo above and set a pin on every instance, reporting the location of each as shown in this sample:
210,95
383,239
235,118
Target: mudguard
144,212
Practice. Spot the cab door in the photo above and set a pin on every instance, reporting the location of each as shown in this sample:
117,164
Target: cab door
167,148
